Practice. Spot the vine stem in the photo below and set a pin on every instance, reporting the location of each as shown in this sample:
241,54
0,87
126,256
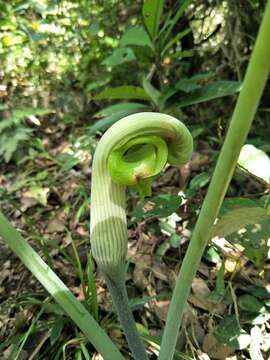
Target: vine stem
120,299
245,109
59,291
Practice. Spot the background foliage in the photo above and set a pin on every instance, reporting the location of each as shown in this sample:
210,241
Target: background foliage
68,71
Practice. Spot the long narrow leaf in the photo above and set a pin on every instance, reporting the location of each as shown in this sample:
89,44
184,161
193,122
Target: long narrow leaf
152,11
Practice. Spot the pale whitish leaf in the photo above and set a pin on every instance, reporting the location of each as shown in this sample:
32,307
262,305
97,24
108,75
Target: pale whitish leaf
152,10
255,161
119,57
255,345
211,91
115,108
123,92
136,36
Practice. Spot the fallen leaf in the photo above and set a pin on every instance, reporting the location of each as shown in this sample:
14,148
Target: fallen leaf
214,349
55,226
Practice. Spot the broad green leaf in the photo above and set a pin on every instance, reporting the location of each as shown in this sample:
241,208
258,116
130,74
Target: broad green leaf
211,91
109,120
136,36
238,218
119,57
245,222
255,241
255,161
157,206
187,85
195,82
250,303
152,10
115,108
24,112
123,92
228,332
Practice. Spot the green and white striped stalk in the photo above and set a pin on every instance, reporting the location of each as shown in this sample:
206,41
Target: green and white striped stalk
131,153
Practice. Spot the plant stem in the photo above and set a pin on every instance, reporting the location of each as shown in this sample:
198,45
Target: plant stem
59,291
243,115
120,300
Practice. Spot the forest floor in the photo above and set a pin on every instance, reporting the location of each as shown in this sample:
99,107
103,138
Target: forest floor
50,205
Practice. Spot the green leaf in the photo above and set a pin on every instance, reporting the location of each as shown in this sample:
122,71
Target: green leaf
152,92
255,241
199,181
195,82
175,240
115,108
211,91
136,36
159,206
56,330
250,303
228,332
123,92
22,113
152,10
9,143
119,57
212,255
235,218
175,40
255,161
172,22
253,221
105,123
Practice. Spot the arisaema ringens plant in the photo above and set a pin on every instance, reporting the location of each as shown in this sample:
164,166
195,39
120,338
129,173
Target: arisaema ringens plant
132,153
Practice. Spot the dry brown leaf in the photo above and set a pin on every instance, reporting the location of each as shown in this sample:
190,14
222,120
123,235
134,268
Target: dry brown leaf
55,226
161,309
214,349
